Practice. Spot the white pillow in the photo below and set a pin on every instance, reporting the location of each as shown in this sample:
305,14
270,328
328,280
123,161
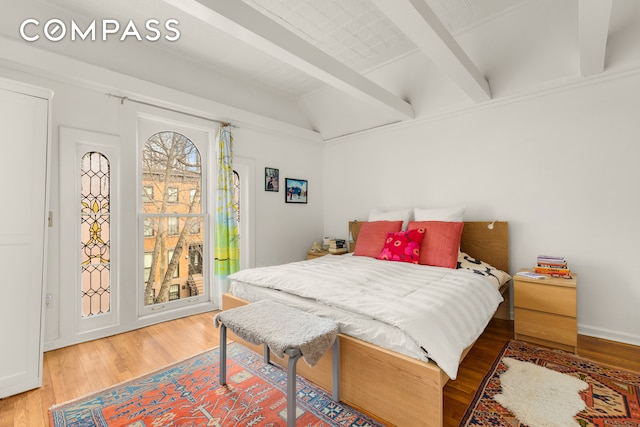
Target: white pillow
403,215
443,214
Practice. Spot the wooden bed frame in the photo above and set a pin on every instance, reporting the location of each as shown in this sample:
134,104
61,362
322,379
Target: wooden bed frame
397,389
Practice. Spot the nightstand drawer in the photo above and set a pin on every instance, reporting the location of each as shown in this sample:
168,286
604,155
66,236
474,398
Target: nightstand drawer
541,297
548,327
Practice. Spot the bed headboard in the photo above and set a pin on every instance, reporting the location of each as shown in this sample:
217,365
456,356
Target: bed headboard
484,240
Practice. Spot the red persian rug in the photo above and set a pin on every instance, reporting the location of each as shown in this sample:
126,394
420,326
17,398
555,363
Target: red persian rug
188,394
612,398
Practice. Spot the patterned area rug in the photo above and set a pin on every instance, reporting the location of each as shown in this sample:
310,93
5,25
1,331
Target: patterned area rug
612,398
188,394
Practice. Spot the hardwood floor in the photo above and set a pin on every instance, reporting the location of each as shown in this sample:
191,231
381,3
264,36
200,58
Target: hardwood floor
78,370
81,369
459,393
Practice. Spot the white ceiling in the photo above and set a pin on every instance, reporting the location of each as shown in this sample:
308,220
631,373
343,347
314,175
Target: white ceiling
341,66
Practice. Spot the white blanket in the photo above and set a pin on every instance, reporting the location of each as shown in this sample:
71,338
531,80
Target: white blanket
443,310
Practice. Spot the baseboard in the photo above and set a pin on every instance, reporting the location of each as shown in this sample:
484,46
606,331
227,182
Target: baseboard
609,334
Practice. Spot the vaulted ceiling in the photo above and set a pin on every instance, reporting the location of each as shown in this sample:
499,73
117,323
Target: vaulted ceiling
338,67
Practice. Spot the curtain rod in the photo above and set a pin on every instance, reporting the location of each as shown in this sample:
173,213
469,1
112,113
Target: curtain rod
126,98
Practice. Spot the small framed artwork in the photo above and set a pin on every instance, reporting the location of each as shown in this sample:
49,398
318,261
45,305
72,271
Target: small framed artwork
271,179
296,190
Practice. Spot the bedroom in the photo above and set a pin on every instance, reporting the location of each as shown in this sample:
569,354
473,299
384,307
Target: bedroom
553,152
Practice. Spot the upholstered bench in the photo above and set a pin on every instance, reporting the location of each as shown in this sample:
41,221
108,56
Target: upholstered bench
284,331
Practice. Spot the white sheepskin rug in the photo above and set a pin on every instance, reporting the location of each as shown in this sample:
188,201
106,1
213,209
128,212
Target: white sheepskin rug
540,397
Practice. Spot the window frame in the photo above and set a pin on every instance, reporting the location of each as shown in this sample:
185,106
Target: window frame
203,138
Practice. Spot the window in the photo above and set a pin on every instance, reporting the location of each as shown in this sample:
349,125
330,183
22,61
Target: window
172,226
148,259
95,221
176,271
171,165
195,259
236,195
149,227
172,195
174,292
147,194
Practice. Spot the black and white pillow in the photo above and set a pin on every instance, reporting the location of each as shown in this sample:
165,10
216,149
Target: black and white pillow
480,267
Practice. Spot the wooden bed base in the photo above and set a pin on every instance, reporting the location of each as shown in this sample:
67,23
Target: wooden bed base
397,389
392,387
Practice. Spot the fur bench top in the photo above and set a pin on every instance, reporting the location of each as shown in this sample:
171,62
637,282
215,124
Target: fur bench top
281,328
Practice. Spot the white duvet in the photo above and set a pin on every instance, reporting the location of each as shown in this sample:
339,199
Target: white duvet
442,310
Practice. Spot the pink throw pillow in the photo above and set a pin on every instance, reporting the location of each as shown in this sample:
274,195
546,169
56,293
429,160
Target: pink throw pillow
403,246
372,236
441,243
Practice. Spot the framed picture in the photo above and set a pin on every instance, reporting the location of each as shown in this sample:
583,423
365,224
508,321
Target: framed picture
296,190
271,179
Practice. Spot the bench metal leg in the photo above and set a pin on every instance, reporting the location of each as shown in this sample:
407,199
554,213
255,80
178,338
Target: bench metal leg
267,355
294,355
223,355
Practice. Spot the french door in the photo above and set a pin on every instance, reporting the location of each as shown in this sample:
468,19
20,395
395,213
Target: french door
134,226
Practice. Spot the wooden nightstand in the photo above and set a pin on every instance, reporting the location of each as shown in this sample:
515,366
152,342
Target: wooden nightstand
545,311
312,254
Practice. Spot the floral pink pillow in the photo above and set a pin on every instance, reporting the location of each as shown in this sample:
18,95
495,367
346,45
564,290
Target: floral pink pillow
403,246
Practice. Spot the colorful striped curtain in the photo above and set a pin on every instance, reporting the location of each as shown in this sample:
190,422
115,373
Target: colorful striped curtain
226,251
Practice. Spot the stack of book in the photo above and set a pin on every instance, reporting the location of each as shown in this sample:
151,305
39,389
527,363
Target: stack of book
554,266
337,246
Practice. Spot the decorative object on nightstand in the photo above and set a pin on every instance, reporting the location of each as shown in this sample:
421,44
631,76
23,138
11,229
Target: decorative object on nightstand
545,311
325,242
316,251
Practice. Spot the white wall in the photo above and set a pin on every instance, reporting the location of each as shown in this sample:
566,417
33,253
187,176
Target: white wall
561,167
284,231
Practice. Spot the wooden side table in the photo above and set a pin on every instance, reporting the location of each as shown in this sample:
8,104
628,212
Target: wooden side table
313,254
545,311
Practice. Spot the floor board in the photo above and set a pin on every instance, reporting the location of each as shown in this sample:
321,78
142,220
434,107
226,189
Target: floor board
75,371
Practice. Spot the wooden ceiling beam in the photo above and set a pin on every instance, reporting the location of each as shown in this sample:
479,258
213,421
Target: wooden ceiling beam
249,25
421,25
594,17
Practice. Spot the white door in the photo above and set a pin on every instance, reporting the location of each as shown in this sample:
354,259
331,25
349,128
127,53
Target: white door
23,228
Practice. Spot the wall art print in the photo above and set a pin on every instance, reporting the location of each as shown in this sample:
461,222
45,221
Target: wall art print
296,190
